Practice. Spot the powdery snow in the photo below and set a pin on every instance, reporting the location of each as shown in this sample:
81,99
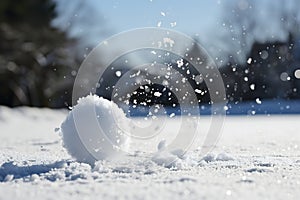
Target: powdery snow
257,157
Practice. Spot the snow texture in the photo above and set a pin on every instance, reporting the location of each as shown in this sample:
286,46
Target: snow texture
257,157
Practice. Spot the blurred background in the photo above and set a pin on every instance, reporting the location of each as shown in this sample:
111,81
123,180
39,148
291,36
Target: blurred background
256,45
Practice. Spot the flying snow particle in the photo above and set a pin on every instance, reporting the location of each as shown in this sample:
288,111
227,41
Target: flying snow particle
157,94
168,41
285,76
199,79
73,73
172,115
252,86
264,54
258,101
159,24
163,14
179,63
249,61
118,73
173,24
165,82
297,73
198,91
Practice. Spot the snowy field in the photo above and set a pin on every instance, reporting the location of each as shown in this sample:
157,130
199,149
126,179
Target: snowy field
257,157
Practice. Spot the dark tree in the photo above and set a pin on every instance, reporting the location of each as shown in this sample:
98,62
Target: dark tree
266,68
37,66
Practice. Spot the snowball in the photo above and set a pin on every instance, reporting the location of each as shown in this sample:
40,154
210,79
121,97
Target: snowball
95,130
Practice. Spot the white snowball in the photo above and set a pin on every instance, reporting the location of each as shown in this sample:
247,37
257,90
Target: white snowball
95,130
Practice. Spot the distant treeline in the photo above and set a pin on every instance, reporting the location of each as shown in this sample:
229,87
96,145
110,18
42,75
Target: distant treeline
37,66
271,71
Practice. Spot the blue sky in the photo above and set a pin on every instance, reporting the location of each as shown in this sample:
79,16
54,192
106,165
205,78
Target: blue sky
92,21
190,17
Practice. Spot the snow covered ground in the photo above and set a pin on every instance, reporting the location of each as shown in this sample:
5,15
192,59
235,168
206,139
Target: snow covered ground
257,157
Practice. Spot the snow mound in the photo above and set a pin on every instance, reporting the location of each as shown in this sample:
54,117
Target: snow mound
95,130
210,157
175,159
178,159
10,170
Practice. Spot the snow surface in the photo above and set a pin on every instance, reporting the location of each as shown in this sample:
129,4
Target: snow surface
257,157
